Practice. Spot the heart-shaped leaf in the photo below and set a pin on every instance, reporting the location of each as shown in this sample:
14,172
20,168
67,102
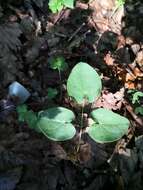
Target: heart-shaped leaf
55,123
84,83
108,126
55,130
69,3
60,114
56,5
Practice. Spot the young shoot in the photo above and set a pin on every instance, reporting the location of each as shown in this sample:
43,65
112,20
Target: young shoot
58,5
56,123
59,63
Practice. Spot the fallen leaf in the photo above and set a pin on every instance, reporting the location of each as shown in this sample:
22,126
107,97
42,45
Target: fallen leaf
109,60
110,101
139,59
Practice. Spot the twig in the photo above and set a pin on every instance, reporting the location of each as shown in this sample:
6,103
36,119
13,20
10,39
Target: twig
129,108
59,16
61,93
120,147
79,28
113,12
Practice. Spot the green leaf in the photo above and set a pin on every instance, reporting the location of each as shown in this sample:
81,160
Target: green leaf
58,63
120,3
28,116
58,114
69,3
136,97
84,83
52,92
108,126
31,119
21,110
139,110
56,5
57,131
55,123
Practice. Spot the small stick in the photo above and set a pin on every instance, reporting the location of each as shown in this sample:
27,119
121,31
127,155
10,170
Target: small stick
81,127
120,147
73,35
135,117
61,93
59,16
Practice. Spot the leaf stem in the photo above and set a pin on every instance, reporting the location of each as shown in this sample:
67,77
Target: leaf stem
81,127
61,94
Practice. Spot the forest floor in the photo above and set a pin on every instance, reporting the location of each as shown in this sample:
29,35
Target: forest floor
95,32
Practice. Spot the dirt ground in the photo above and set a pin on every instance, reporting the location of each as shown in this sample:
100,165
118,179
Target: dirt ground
95,32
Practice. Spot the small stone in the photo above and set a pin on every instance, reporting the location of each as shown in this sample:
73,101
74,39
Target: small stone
139,58
135,48
129,41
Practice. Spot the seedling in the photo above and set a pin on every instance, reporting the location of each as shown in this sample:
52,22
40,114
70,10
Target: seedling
27,115
120,3
60,64
136,96
139,110
84,86
58,5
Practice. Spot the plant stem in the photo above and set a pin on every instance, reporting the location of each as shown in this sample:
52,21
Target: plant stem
81,121
61,94
81,127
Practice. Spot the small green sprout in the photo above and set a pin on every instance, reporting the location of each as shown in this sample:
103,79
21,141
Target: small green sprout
139,110
52,93
22,111
59,63
28,116
135,97
58,5
120,3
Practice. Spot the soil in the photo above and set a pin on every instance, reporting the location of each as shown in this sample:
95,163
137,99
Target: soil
107,38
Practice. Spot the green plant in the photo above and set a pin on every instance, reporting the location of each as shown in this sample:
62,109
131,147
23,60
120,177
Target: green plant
58,5
59,63
84,86
52,93
139,110
135,98
120,3
28,116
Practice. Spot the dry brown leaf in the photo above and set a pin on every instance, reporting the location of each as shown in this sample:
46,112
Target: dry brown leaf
106,16
109,60
139,59
111,101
